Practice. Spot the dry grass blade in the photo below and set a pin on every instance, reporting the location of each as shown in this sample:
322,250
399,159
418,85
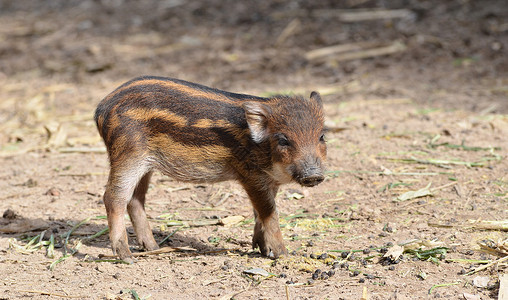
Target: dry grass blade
49,294
163,250
499,249
491,225
288,31
360,54
498,261
153,252
442,285
341,48
360,14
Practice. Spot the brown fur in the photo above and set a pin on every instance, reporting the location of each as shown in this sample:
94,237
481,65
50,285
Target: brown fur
195,133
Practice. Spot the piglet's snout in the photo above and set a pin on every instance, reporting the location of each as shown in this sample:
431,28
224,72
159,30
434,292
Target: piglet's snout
312,172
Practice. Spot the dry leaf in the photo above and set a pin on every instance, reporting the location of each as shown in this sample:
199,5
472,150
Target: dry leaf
394,252
231,220
426,191
57,135
257,271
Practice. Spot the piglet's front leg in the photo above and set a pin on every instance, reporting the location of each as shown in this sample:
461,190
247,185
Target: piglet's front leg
267,235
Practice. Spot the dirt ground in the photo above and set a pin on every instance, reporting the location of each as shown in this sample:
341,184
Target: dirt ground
414,99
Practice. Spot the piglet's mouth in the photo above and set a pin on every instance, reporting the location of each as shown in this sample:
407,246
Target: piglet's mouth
311,180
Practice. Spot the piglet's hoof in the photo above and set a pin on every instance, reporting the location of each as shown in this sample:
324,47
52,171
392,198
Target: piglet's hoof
270,242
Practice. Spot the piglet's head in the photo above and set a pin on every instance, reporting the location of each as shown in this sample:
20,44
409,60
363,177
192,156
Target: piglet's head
294,129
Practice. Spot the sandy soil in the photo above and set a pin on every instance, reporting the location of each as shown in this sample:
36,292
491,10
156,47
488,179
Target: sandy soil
435,111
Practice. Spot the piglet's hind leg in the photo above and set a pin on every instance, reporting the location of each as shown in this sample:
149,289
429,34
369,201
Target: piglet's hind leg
120,189
136,209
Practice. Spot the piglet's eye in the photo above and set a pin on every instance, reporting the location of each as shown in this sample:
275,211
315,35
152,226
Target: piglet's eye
322,138
283,141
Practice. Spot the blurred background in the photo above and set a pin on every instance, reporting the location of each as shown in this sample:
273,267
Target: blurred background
59,58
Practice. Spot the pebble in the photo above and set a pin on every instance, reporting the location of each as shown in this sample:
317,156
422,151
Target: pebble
323,256
366,251
344,254
391,268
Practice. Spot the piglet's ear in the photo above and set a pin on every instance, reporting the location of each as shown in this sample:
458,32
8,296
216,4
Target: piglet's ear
257,115
315,96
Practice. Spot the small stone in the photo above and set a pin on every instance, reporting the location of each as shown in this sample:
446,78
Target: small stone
391,268
290,282
344,254
361,280
313,256
53,192
315,276
310,243
282,275
323,256
481,281
331,273
366,251
310,281
9,214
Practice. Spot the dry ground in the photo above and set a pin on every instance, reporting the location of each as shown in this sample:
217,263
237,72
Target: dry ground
434,111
